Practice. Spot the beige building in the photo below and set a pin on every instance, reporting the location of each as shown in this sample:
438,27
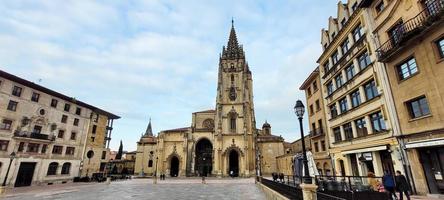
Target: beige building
285,162
45,129
219,142
410,37
269,147
146,153
357,98
316,121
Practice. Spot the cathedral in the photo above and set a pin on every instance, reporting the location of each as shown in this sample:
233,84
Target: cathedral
223,141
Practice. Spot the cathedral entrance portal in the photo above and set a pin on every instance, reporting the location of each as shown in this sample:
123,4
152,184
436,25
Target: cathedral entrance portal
204,158
174,167
233,163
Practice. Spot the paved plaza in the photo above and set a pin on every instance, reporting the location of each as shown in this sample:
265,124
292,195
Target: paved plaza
190,188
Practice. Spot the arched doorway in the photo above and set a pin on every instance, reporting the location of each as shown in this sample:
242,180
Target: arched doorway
174,167
233,161
204,158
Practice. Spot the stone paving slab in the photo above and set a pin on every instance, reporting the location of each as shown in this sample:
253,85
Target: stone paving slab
223,189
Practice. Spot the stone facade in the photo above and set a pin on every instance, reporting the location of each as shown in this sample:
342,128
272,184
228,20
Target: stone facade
410,38
45,129
219,142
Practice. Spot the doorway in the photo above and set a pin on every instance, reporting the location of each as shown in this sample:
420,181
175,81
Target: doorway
174,168
25,174
432,160
233,162
204,158
387,162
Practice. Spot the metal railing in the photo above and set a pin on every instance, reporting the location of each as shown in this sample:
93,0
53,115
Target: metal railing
323,196
34,135
347,183
317,132
411,27
284,189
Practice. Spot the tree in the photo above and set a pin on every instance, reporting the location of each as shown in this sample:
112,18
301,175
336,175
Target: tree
120,152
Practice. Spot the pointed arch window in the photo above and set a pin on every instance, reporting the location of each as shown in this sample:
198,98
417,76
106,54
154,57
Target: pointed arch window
232,116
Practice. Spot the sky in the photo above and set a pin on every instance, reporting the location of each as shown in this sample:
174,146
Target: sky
159,59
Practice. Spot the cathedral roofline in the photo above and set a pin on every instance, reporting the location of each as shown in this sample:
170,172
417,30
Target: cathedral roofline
206,111
177,129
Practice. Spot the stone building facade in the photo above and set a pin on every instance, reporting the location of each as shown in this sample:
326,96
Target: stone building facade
317,121
357,97
220,141
45,129
410,39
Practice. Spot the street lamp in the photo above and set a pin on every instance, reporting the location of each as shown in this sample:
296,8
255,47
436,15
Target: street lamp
11,158
299,109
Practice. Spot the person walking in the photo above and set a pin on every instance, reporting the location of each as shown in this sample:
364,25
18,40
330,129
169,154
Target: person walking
375,185
402,185
389,184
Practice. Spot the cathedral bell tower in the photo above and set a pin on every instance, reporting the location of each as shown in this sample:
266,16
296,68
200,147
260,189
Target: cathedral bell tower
234,121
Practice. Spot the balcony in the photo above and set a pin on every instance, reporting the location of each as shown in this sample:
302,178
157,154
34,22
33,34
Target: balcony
317,132
415,26
34,135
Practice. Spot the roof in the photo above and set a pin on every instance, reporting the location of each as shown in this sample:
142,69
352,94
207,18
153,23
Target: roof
149,130
177,129
55,94
310,78
206,111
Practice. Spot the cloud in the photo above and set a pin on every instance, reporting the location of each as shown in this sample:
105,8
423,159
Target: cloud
159,59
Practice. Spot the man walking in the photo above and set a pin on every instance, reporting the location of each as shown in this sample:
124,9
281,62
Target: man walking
389,184
402,185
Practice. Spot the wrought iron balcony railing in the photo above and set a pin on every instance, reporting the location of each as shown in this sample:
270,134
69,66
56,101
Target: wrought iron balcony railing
317,132
34,135
433,12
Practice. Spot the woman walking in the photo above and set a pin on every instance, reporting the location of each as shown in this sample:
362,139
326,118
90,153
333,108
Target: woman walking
402,185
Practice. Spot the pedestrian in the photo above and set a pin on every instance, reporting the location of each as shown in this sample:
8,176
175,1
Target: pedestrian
232,174
402,185
389,184
375,185
281,177
275,177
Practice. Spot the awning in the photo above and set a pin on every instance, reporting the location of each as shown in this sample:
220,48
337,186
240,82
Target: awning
370,149
425,143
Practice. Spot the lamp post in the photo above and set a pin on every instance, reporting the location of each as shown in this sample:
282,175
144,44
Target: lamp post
299,109
11,158
155,172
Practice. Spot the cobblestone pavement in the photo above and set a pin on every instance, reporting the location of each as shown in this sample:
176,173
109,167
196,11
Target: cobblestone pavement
182,189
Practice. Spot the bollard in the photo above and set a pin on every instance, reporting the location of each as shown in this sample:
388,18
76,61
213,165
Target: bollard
108,180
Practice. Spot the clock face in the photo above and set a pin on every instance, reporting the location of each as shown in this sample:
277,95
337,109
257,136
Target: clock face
232,94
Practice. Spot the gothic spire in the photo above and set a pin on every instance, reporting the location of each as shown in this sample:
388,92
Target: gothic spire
233,50
149,130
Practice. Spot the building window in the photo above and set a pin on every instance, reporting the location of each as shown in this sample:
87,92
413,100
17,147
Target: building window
339,81
316,147
407,69
343,105
379,7
315,86
440,44
54,103
150,163
333,35
418,107
69,151
323,147
345,47
370,90
335,57
17,91
348,131
318,105
4,145
311,110
356,98
103,155
37,129
326,67
330,88
76,122
361,127
66,167
33,147
67,107
94,129
333,111
343,21
364,61
12,105
308,91
52,168
6,124
35,97
57,149
44,147
21,147
396,32
350,72
357,33
378,123
95,117
233,124
64,118
354,6
73,135
92,139
337,134
61,134
78,111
